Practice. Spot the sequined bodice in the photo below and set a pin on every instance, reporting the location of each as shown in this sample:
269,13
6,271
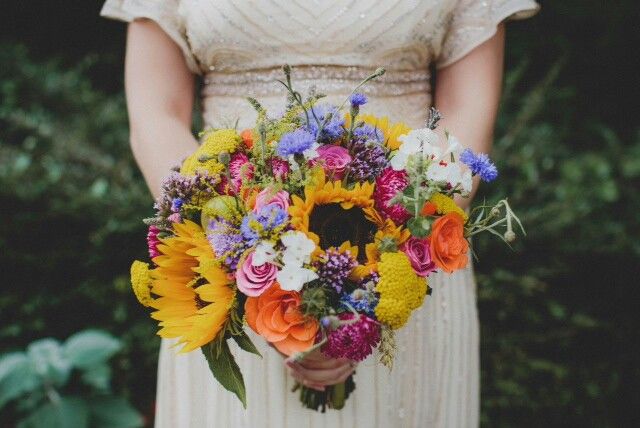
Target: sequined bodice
239,45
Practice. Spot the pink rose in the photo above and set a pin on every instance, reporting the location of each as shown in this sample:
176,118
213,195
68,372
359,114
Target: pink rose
254,280
417,250
334,160
388,184
267,197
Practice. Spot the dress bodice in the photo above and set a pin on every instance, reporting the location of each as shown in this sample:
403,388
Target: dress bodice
239,45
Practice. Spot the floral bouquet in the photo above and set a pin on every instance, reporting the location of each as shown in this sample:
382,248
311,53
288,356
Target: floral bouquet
317,230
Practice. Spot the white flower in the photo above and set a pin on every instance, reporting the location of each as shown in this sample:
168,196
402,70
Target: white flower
399,161
293,278
445,171
264,253
453,146
311,152
423,140
467,182
298,248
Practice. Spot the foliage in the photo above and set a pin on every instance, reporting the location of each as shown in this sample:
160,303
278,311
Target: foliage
61,385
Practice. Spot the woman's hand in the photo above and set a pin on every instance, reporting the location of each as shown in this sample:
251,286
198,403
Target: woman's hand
317,371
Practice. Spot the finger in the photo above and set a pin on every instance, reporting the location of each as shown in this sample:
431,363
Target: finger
322,376
295,375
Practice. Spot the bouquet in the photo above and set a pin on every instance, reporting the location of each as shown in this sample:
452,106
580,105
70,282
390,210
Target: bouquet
317,229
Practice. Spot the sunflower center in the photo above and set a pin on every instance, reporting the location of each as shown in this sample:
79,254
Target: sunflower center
335,225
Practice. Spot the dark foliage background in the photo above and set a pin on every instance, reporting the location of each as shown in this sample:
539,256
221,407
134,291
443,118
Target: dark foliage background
560,340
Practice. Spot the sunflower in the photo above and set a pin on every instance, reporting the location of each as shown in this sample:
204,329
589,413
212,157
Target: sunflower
391,132
194,297
330,213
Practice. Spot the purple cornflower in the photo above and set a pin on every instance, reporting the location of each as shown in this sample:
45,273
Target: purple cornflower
261,224
366,132
480,164
334,126
358,99
368,160
335,267
354,339
294,143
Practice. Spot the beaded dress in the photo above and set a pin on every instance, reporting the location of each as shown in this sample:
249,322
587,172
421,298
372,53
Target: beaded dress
238,46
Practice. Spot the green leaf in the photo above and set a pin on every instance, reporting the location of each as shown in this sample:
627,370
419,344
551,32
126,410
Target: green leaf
98,377
114,412
16,377
48,361
68,412
245,343
225,369
90,348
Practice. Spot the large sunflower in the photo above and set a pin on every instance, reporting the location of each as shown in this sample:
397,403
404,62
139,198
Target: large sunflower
194,294
330,214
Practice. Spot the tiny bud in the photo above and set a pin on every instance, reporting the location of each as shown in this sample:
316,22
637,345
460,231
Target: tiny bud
358,294
224,158
495,212
509,236
330,322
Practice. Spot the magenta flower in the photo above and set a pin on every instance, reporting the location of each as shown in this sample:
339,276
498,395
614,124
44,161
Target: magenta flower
267,197
254,280
417,250
280,168
388,184
355,340
153,241
239,169
334,160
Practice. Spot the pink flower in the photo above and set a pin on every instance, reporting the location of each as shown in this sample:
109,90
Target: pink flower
334,160
353,340
254,280
417,250
239,169
388,184
175,218
153,241
267,197
280,168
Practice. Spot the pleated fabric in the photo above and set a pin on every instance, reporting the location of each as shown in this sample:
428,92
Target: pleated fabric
434,382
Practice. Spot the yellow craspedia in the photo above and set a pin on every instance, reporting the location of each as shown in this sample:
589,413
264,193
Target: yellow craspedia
220,141
445,205
141,282
401,290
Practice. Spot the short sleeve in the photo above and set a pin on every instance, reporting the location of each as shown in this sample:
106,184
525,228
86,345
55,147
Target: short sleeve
164,12
473,22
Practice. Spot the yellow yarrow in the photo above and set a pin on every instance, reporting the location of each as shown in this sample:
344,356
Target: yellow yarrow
445,205
205,158
141,282
401,290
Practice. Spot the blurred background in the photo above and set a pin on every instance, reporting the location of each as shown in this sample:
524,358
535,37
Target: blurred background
560,342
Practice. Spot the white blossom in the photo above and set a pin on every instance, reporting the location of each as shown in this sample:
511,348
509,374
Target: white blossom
264,253
293,278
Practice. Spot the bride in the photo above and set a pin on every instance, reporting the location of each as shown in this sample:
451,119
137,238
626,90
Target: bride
238,47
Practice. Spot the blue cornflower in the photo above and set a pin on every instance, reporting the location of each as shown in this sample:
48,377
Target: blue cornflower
366,132
176,204
358,100
480,164
333,129
294,143
261,224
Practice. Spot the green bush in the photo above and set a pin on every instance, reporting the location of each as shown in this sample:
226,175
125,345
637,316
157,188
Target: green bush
65,385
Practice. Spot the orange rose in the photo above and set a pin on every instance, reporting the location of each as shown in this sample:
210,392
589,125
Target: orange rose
275,315
448,246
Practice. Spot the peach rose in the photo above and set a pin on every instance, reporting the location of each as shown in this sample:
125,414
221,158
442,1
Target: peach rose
275,315
448,245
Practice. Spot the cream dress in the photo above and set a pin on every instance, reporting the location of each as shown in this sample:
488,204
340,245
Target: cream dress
238,46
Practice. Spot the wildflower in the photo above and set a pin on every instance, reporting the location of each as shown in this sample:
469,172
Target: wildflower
388,184
153,241
295,143
358,99
368,160
480,164
334,267
141,282
330,117
353,339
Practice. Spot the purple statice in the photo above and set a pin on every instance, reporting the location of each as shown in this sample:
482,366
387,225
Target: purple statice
480,164
368,160
226,241
366,132
358,99
334,268
294,143
333,126
354,338
177,186
261,224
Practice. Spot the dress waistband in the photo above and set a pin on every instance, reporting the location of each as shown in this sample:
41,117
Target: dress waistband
328,79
